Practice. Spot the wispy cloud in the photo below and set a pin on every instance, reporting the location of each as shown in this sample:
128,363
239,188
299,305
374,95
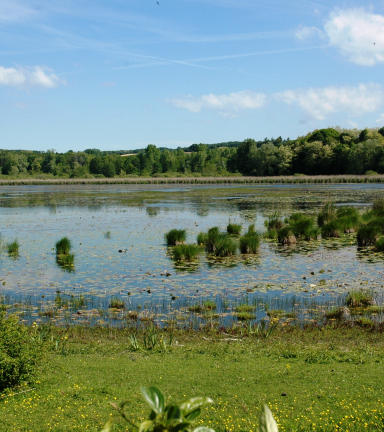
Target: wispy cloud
319,103
35,76
225,104
13,10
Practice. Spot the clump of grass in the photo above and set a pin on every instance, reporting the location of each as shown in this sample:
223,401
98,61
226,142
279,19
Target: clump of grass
185,252
327,214
175,237
233,229
66,260
285,235
270,234
379,245
331,229
210,315
225,247
133,315
13,248
78,302
275,313
249,243
378,207
245,316
304,227
274,222
196,308
364,322
245,308
361,298
209,305
63,246
367,235
107,234
337,314
116,303
202,239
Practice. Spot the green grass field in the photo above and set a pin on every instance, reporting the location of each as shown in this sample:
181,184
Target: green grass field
315,379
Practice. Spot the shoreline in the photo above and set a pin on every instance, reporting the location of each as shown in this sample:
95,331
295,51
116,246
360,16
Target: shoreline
333,179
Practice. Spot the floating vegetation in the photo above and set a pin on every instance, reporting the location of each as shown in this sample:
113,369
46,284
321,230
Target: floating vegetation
175,237
13,248
185,252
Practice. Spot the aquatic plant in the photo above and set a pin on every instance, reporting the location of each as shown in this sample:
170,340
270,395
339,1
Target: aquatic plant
378,207
367,235
245,316
379,245
361,298
249,242
364,322
63,246
274,222
196,307
327,214
285,235
331,229
175,237
185,252
209,304
275,313
116,303
66,260
202,238
224,246
270,234
107,234
348,223
233,229
13,248
336,313
245,307
304,227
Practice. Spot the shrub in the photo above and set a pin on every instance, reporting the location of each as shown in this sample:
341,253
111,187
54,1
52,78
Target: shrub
20,352
13,248
359,299
379,245
175,237
185,252
63,246
327,214
249,243
367,235
233,229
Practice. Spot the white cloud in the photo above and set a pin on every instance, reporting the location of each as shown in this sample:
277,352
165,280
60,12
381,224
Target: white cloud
38,76
380,119
319,103
225,104
358,34
304,33
12,10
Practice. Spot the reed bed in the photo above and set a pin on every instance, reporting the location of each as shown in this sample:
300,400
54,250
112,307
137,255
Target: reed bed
200,180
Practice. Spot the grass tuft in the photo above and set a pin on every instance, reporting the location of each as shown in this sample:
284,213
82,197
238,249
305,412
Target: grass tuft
357,299
13,248
63,246
175,237
116,303
249,242
185,252
233,229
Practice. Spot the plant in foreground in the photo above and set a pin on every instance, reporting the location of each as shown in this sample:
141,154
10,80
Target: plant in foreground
179,417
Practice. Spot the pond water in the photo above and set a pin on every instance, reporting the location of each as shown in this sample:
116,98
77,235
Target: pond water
103,220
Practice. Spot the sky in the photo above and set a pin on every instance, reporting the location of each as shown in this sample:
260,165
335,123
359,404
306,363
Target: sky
119,75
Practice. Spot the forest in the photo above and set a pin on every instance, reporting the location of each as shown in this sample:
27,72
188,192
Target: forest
331,151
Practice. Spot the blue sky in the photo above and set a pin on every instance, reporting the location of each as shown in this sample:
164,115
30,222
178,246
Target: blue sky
122,74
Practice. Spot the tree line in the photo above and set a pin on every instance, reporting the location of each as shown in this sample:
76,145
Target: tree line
325,151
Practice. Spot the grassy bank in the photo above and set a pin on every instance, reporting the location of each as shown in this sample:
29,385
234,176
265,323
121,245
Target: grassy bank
195,180
315,378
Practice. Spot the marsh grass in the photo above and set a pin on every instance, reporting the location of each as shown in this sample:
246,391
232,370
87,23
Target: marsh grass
330,229
186,252
250,242
245,316
107,235
275,313
285,235
66,260
357,299
274,222
270,234
233,229
367,235
364,322
335,313
379,245
224,246
209,304
116,303
244,308
13,248
175,237
327,214
63,246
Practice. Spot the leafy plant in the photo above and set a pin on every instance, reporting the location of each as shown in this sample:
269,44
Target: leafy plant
175,237
165,418
20,352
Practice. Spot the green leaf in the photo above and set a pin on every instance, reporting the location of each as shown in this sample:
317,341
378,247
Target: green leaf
152,416
192,415
266,421
174,413
193,404
203,429
147,424
108,426
154,397
181,427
